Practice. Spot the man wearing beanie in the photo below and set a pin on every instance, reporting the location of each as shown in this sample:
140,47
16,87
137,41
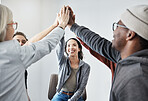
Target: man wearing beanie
129,50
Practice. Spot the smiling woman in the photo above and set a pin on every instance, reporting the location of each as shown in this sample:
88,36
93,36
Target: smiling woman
73,71
98,15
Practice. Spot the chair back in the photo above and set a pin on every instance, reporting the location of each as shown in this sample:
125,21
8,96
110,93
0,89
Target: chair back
52,85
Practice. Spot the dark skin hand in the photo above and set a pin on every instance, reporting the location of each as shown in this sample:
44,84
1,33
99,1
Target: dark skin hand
71,17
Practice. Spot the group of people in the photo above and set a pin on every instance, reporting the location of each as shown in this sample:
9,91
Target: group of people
126,56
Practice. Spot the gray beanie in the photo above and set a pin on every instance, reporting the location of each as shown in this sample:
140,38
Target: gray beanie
136,19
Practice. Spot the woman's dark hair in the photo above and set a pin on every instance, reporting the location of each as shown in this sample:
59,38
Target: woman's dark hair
80,53
20,33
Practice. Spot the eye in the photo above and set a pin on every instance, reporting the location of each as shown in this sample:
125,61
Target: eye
18,40
74,44
23,41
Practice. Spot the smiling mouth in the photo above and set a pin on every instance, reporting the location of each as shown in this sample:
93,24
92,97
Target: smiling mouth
71,51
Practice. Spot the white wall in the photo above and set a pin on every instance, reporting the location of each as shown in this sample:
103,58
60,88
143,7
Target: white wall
98,15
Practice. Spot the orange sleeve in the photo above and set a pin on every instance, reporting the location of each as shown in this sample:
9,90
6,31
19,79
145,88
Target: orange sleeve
104,60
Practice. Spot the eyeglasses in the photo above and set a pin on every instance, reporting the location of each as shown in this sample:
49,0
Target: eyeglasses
115,25
14,24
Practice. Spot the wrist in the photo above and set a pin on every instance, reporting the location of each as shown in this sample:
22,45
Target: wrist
55,25
62,26
69,25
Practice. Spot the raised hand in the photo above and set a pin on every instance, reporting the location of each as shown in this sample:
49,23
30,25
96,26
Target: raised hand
63,17
71,17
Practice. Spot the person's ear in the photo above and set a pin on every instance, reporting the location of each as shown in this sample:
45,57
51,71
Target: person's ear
130,35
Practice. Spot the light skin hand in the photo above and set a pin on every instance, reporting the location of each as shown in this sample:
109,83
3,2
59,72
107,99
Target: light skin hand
63,17
42,34
61,20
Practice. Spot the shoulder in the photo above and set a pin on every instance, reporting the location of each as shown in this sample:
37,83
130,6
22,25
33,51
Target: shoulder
10,42
11,45
85,65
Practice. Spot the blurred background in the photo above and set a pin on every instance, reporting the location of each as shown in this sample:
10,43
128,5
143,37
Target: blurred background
33,16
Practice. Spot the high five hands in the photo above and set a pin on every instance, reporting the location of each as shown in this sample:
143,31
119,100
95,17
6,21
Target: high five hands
63,17
66,17
71,17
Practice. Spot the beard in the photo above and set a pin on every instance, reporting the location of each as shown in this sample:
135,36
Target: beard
118,44
113,45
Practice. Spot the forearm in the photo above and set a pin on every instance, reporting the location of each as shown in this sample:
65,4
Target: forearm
60,51
39,49
41,35
98,56
96,43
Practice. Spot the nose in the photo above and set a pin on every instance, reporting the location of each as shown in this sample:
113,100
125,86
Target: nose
71,47
21,43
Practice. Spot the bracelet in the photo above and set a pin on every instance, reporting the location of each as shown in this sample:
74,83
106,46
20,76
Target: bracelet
61,27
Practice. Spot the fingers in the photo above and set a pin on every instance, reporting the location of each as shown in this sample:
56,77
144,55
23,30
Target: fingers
73,17
63,17
67,11
58,14
71,11
64,12
61,11
66,17
64,9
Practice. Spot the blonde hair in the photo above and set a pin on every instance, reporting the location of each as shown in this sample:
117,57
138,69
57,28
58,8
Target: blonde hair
5,18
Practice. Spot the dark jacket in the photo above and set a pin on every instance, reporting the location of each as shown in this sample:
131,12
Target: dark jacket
130,81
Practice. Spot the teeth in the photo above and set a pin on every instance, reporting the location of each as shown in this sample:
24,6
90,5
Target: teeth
71,51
